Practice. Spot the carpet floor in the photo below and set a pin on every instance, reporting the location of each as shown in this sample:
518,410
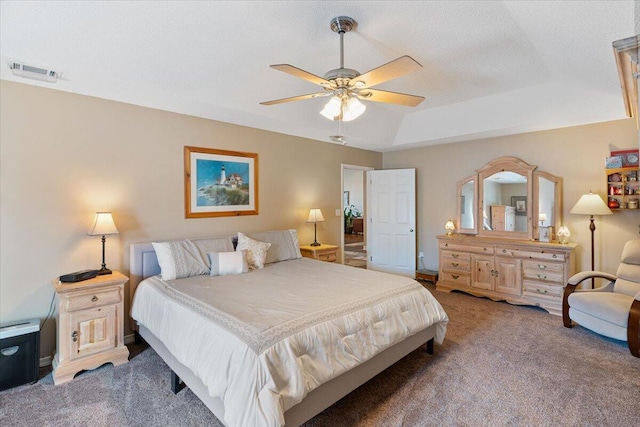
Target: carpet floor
500,365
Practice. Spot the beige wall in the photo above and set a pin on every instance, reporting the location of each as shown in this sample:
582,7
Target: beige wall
65,156
577,154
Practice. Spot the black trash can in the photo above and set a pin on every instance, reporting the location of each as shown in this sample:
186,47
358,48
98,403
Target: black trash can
19,353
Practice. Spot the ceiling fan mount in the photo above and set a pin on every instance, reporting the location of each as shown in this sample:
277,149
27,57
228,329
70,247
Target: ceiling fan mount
348,85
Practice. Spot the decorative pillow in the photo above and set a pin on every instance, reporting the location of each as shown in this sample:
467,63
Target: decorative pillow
213,244
223,263
284,245
179,259
256,251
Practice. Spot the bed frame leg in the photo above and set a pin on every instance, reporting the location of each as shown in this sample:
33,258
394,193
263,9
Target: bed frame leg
176,383
137,339
430,346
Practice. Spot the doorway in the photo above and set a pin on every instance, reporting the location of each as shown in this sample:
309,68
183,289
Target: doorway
354,202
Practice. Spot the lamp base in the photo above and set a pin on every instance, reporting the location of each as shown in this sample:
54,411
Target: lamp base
315,244
104,270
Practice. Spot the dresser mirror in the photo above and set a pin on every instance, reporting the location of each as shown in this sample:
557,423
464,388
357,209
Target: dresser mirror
509,198
467,191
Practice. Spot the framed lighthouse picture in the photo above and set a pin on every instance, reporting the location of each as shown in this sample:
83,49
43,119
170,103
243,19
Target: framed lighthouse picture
220,182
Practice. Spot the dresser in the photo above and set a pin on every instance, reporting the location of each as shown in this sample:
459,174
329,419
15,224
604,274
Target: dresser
90,325
517,271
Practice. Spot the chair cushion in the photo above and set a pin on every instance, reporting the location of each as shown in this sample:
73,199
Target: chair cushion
608,306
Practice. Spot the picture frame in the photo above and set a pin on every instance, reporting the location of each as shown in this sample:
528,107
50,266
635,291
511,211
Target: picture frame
220,183
520,203
546,234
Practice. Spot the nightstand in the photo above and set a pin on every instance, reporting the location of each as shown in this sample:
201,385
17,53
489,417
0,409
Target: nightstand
326,253
90,325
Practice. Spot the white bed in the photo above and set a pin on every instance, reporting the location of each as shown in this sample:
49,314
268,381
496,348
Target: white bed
278,345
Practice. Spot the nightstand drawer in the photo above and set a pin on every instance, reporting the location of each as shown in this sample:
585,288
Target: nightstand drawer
98,298
328,257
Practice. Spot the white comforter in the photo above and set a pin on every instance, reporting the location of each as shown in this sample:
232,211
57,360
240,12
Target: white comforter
261,341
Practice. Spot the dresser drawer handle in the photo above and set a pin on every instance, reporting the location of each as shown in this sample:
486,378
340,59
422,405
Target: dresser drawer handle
555,256
455,264
446,245
541,291
94,299
504,251
542,266
10,351
455,255
455,276
541,277
74,336
484,249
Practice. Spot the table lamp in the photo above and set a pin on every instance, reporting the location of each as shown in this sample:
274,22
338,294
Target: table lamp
449,226
103,226
315,216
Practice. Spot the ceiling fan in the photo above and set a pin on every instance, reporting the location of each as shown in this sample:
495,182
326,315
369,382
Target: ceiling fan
348,86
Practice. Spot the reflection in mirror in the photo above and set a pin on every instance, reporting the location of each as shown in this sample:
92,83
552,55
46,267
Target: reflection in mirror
546,198
467,195
505,202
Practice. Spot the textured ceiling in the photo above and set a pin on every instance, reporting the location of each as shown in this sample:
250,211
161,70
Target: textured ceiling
490,67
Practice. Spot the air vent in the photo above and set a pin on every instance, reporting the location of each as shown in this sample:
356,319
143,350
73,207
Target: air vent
35,73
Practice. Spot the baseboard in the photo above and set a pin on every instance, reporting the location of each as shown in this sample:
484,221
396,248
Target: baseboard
129,339
46,361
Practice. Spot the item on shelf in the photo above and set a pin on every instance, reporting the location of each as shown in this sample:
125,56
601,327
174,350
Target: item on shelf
629,158
613,162
613,204
632,204
615,177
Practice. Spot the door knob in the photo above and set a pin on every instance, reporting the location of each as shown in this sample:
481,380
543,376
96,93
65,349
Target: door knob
411,230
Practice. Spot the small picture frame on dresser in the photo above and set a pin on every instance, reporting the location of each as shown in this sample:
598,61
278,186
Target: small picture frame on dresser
545,234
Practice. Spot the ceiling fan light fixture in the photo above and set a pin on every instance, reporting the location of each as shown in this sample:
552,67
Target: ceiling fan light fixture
354,108
332,108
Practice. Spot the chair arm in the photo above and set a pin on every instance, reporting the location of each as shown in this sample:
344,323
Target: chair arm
583,275
573,283
633,328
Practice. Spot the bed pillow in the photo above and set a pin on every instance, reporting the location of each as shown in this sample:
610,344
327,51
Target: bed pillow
179,259
224,263
284,245
256,251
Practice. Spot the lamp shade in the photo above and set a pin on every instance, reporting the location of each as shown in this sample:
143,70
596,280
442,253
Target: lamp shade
315,215
103,225
542,217
590,204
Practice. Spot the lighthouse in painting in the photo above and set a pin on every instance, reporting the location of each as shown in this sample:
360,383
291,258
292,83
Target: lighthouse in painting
223,176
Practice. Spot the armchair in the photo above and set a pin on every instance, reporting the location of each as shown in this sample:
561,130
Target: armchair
612,310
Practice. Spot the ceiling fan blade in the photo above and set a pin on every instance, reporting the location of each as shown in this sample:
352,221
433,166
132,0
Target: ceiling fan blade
391,70
296,98
302,74
378,95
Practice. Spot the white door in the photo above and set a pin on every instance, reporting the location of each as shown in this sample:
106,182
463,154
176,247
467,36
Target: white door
391,212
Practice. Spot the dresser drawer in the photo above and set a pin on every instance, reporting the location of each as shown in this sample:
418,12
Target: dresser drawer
541,255
455,256
82,301
537,289
543,271
455,265
457,278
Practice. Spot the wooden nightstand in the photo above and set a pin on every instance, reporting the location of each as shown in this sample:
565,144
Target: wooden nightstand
326,253
90,325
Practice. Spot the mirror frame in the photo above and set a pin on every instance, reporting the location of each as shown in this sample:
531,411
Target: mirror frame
473,230
557,201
